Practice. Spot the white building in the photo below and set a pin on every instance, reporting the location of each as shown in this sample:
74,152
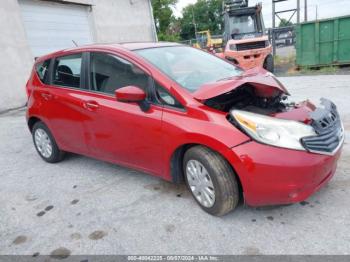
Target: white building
31,28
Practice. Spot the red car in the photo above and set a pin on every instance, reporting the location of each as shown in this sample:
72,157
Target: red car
184,115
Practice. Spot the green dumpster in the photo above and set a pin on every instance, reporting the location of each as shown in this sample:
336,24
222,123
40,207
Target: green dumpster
323,42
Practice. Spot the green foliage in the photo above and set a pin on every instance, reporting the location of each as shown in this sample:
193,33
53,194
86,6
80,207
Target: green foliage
284,22
325,70
163,17
168,37
207,14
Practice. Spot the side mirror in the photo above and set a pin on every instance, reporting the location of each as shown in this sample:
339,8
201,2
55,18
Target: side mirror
130,94
133,94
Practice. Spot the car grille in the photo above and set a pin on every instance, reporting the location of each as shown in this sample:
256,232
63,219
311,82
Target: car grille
329,129
251,45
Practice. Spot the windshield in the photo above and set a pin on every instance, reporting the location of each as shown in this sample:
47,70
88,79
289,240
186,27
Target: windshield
189,67
243,24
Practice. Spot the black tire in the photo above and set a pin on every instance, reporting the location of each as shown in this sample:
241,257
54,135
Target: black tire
269,64
222,177
56,155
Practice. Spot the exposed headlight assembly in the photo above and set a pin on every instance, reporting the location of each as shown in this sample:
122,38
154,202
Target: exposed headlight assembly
273,131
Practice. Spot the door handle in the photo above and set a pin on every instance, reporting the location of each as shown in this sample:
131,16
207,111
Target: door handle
46,96
90,105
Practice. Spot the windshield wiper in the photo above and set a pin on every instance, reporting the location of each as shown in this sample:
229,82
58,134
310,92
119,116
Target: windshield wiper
226,78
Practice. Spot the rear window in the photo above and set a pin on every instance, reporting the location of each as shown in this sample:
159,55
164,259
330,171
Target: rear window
42,69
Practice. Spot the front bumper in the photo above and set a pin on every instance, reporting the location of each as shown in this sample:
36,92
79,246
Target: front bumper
249,58
272,176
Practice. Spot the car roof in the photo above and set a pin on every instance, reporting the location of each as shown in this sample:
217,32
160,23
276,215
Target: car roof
131,46
144,45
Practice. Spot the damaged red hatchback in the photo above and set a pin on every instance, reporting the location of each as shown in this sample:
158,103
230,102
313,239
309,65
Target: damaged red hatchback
184,115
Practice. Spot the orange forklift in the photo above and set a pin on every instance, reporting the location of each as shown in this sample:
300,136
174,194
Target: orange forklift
246,41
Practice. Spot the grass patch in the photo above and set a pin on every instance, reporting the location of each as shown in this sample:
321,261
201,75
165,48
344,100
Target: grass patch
290,59
286,65
319,70
329,69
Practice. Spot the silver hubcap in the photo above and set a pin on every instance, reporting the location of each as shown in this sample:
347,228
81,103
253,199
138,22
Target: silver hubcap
43,142
200,183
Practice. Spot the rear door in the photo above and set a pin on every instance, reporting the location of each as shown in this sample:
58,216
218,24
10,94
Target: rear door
121,132
64,108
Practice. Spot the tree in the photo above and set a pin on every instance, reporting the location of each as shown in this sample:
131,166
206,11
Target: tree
163,18
207,14
172,33
285,22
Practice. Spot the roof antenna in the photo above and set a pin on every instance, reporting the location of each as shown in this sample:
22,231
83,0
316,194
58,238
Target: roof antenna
75,43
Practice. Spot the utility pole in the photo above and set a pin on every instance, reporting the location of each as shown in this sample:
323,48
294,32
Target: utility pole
298,11
194,23
273,15
305,11
316,12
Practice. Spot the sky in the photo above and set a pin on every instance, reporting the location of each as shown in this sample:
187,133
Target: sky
325,8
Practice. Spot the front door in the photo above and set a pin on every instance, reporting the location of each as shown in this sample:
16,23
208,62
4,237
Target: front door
122,132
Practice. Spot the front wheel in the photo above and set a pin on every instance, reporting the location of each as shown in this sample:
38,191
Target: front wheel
211,180
269,64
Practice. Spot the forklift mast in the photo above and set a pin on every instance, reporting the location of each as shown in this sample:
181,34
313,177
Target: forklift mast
234,4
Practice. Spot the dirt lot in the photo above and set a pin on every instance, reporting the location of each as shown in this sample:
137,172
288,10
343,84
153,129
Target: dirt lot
91,207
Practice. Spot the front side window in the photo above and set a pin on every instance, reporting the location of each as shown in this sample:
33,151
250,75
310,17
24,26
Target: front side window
109,72
189,67
166,98
42,69
67,71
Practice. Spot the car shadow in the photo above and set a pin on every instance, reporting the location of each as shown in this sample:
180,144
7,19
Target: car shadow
160,186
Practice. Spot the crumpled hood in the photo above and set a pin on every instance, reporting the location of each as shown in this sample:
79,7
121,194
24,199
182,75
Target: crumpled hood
265,83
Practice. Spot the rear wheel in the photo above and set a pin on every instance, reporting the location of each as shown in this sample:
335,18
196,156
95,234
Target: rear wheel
45,143
211,180
268,63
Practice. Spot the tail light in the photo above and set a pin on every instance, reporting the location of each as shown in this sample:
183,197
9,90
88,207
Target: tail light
28,89
29,84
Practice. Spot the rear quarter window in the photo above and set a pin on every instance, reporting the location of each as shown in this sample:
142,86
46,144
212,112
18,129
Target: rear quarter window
42,70
67,71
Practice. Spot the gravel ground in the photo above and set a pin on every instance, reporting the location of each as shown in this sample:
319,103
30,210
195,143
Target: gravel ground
92,207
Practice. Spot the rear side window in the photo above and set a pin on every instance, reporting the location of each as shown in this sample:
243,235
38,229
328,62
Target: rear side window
67,71
109,72
42,69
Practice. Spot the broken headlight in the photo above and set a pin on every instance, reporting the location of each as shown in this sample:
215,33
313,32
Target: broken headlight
273,131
